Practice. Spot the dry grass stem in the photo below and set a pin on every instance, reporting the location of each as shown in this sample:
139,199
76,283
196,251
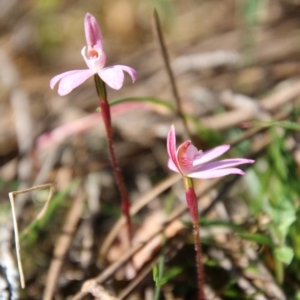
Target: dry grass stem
11,196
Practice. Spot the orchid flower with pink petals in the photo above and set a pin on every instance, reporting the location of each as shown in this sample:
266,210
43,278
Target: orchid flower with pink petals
95,59
190,162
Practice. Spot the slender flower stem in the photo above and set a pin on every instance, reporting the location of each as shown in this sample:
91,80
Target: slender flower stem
193,208
165,55
105,110
200,272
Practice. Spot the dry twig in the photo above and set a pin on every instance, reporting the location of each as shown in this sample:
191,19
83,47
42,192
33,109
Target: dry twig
11,195
164,52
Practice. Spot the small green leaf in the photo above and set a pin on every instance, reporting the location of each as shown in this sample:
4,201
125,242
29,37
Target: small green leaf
144,99
220,223
284,124
171,273
285,254
258,238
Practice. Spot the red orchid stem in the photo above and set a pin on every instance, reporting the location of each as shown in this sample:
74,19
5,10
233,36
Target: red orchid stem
200,272
106,115
192,203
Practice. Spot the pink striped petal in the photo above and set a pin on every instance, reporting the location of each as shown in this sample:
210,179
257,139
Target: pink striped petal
211,154
215,173
171,146
225,163
70,80
185,155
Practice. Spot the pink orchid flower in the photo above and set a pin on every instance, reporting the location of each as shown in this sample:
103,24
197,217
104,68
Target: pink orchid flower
190,162
95,59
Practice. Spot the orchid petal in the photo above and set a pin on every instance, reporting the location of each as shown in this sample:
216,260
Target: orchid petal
185,157
130,71
171,146
57,78
92,31
172,166
225,163
211,154
70,80
114,77
192,152
215,173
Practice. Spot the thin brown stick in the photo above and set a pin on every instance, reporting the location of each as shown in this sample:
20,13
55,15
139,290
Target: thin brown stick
97,291
11,196
63,243
164,52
